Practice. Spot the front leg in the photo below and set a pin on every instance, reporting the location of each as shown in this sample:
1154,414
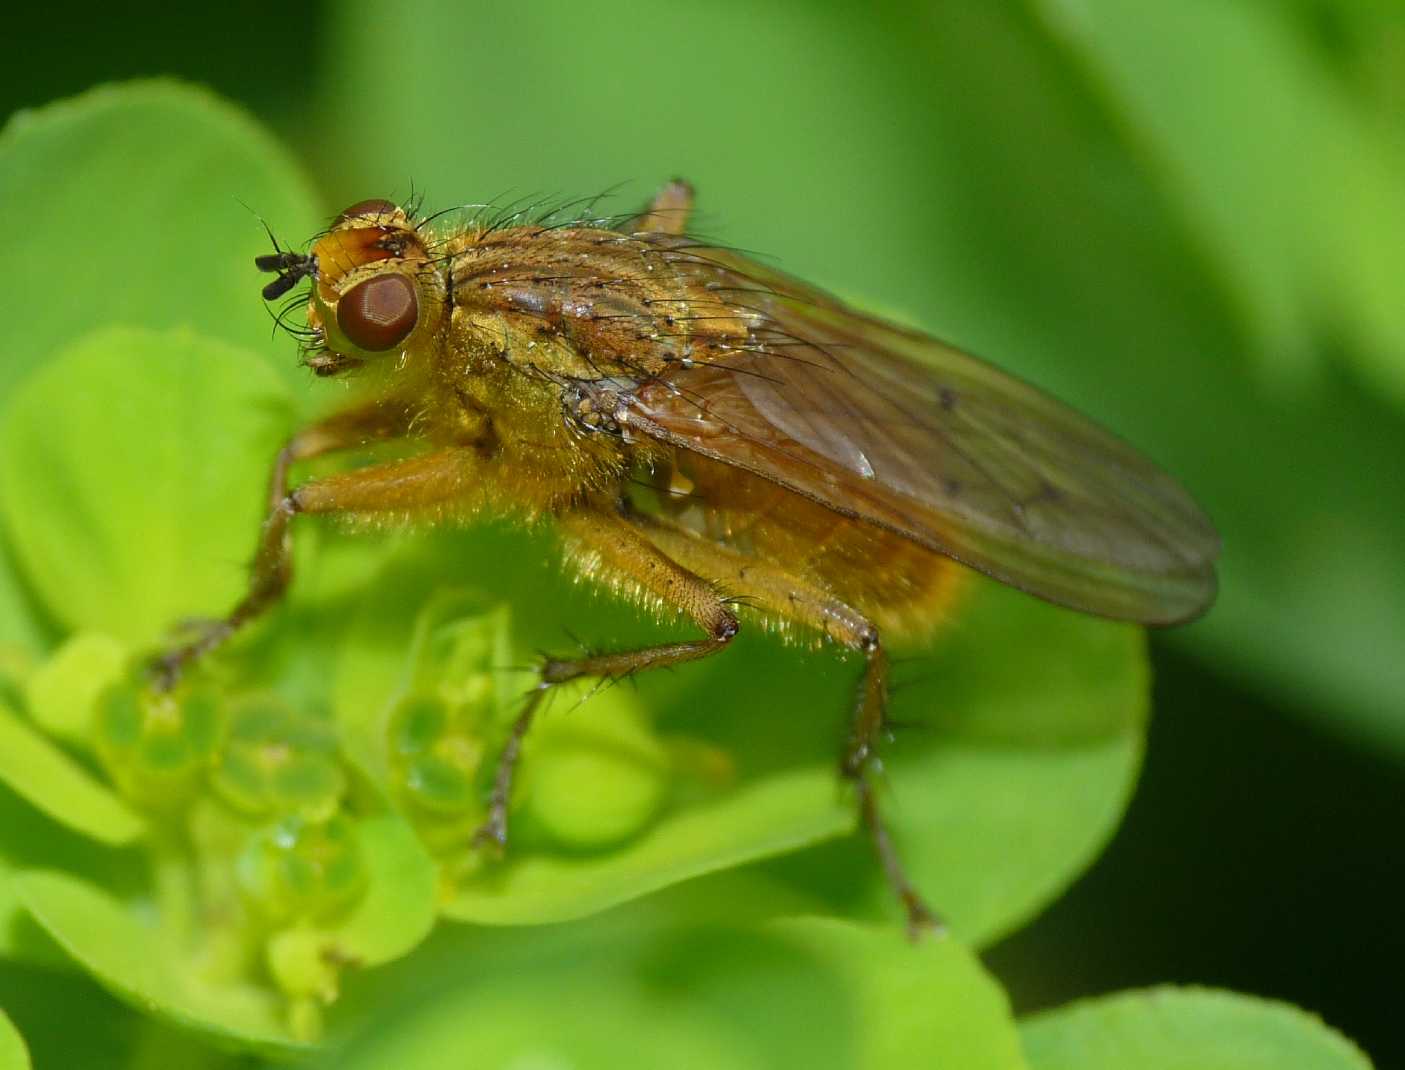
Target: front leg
361,425
399,487
608,549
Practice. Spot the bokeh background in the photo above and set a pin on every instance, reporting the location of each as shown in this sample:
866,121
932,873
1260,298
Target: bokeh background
1186,218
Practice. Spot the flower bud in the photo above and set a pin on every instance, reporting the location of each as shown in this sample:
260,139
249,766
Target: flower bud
299,869
276,761
157,746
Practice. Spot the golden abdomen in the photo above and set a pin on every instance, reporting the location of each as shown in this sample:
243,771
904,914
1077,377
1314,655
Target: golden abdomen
904,588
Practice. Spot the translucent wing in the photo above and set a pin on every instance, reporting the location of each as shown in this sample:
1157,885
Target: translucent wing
897,429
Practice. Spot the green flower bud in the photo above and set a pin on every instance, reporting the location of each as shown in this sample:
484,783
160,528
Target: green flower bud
456,706
436,754
277,761
301,869
460,652
157,746
299,964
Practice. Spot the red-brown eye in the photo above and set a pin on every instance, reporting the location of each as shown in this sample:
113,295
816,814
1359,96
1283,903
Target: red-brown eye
375,208
380,313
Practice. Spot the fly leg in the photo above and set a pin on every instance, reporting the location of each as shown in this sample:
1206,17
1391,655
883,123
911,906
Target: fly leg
360,426
610,550
773,589
398,487
859,762
668,212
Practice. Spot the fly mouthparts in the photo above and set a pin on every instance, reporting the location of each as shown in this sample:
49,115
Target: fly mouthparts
291,267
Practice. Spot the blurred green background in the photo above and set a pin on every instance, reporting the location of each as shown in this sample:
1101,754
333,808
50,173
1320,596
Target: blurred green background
1185,218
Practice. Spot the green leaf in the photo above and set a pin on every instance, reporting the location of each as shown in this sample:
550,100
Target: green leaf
778,814
800,992
134,198
21,940
62,694
13,1054
933,998
138,964
19,630
1229,149
1184,1029
133,498
60,787
504,1026
69,1021
30,839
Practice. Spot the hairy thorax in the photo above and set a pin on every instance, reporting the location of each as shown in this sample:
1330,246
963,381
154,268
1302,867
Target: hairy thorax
529,319
530,340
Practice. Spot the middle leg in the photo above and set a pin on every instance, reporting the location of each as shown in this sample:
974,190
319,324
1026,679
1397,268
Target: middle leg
608,549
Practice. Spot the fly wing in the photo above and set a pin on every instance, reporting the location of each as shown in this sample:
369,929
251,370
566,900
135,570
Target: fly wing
900,430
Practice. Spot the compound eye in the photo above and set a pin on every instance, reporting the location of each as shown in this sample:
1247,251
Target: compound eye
380,313
376,208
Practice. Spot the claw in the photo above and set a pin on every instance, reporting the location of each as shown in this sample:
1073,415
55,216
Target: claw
921,921
493,830
201,636
164,672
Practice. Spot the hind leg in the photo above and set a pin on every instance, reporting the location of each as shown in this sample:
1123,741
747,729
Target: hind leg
668,212
771,588
652,560
858,763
